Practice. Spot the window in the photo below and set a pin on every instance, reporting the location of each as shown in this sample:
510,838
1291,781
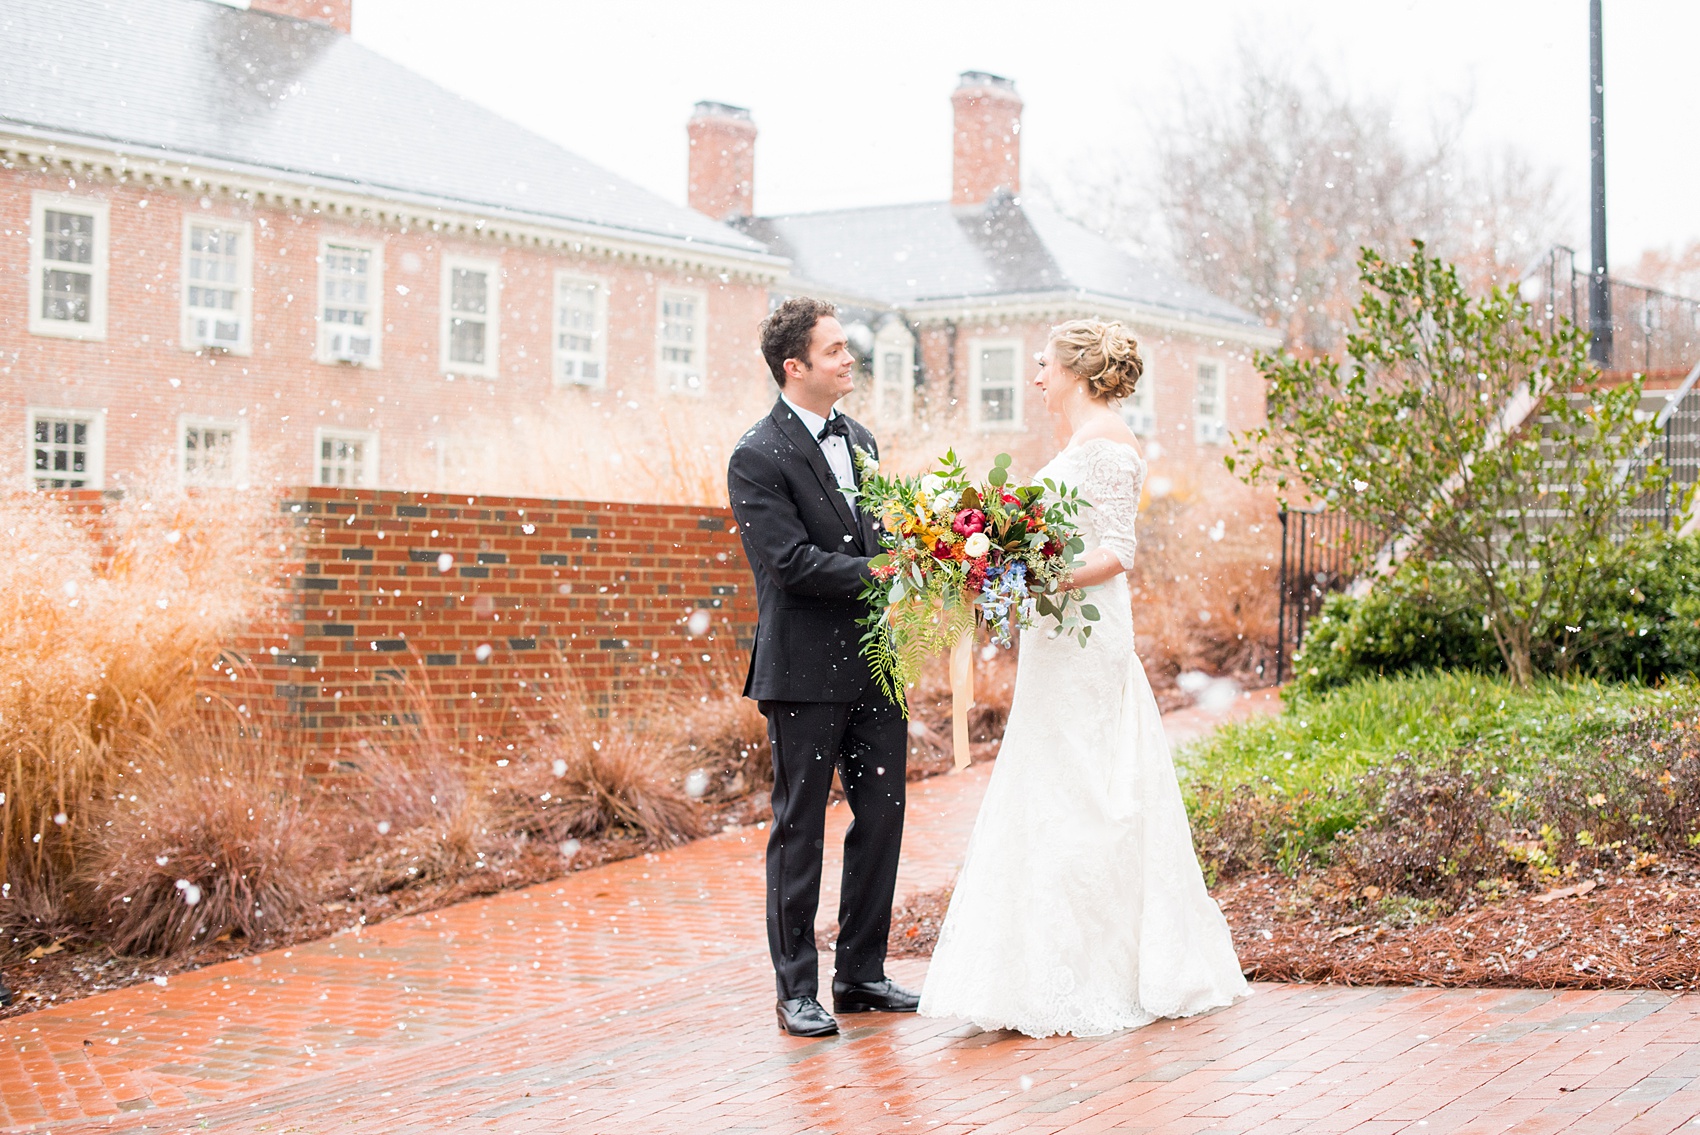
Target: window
894,374
1209,404
994,385
682,354
471,302
345,457
215,284
211,452
579,330
1139,410
351,280
68,267
66,449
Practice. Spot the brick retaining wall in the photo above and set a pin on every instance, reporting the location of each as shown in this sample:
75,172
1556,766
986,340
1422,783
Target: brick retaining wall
609,589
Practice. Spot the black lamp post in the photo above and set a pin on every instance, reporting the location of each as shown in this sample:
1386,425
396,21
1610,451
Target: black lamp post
1599,282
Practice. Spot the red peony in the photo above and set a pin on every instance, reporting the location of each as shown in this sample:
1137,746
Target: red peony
969,521
943,551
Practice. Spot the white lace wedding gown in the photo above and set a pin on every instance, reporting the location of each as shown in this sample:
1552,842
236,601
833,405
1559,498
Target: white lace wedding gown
1080,907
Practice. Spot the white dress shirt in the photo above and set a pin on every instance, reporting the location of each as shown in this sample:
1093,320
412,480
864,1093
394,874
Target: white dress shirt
837,450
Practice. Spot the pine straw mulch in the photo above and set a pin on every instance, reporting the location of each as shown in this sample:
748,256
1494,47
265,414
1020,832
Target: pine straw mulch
1636,929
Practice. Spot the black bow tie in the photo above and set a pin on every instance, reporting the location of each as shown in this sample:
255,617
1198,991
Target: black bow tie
834,425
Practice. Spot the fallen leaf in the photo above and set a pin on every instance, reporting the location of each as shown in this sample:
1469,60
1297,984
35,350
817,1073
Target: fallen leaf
43,951
1566,892
1344,932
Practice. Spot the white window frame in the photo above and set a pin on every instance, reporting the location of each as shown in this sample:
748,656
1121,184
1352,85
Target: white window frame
40,205
327,349
244,311
238,428
94,472
1139,409
1210,428
894,392
976,382
368,455
598,353
668,374
492,270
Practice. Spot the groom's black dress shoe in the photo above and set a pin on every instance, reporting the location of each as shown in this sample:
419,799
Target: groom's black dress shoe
804,1016
882,996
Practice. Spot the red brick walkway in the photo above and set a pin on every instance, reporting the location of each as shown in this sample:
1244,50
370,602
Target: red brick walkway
637,998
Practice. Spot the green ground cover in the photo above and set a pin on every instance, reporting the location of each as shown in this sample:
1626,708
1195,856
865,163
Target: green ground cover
1449,778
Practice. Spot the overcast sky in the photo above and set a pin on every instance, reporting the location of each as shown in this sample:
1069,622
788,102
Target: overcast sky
852,100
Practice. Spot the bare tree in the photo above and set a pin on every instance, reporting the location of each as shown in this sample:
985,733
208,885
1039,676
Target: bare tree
1265,193
1670,269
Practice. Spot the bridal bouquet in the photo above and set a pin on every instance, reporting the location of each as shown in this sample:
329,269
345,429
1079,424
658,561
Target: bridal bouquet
959,552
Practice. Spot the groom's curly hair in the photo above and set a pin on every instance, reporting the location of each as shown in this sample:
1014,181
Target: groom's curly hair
785,333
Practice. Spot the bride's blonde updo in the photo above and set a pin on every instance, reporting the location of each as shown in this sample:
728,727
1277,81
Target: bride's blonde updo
1106,355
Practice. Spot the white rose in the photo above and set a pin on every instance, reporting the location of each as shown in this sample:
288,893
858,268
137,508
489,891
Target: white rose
869,463
932,483
947,500
977,545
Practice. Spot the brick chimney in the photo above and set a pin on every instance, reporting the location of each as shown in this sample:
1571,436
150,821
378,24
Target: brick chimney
338,14
987,152
723,161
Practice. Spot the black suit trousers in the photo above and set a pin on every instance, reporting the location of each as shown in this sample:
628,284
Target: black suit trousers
867,741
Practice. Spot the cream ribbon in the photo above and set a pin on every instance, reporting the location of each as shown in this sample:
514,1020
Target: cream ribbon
961,696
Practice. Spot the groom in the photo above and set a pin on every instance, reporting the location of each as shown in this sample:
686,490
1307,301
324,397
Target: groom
809,549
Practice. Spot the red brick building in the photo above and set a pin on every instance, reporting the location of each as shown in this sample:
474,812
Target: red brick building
949,301
283,257
289,260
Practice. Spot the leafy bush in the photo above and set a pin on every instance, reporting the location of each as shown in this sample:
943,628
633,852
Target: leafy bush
1421,618
1431,833
1641,618
1641,622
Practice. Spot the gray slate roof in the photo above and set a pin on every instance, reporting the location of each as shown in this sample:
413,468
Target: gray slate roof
199,78
905,255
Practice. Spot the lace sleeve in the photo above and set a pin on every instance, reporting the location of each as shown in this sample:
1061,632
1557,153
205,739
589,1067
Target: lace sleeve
1115,473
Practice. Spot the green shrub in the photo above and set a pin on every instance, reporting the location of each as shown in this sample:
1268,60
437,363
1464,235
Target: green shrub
1421,618
1641,619
1642,623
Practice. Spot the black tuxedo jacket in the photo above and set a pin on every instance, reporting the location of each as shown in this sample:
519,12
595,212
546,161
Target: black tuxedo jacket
809,549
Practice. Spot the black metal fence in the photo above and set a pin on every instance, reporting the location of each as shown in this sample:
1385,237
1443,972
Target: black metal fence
1321,553
1654,332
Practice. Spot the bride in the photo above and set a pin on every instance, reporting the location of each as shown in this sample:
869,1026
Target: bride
1080,907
